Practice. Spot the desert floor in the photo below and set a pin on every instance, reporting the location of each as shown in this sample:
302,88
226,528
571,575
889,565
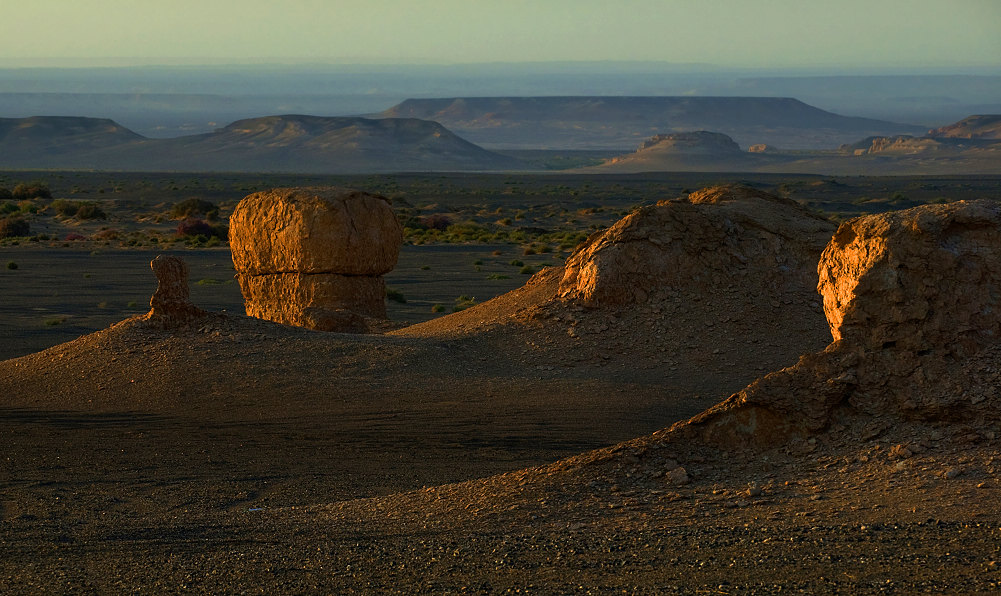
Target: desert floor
236,455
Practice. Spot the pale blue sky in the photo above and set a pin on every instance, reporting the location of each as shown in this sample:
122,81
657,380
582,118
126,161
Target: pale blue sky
740,33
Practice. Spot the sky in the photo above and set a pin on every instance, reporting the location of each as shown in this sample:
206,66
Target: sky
727,33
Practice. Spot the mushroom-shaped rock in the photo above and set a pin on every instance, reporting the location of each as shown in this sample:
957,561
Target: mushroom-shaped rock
723,236
315,257
170,304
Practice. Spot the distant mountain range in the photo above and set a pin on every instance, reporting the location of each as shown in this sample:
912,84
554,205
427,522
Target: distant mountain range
291,143
966,147
314,144
598,122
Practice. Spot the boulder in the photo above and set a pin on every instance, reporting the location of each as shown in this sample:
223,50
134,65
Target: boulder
919,279
315,257
719,237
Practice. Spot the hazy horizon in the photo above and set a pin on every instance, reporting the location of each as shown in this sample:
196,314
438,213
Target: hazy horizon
852,35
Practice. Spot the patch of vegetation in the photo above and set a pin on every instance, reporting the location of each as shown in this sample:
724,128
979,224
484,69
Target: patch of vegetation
463,302
517,263
13,227
11,265
526,270
31,190
196,208
82,210
53,321
498,276
197,232
438,308
395,295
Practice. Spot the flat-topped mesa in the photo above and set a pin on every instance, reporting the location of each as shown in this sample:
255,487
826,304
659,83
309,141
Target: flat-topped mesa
913,302
719,237
170,305
315,257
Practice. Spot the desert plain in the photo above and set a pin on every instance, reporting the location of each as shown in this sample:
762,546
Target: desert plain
543,437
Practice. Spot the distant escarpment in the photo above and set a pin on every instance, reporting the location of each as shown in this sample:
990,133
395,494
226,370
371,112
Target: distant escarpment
41,140
621,122
291,143
986,126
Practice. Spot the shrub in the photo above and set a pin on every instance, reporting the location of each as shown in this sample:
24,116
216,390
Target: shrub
6,208
526,270
90,211
438,308
395,296
192,227
517,263
194,207
5,193
79,209
13,227
435,221
32,190
11,265
75,236
463,302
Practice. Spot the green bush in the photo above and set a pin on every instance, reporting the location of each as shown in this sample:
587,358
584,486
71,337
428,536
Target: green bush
11,265
79,209
32,190
526,270
12,227
194,207
395,296
463,302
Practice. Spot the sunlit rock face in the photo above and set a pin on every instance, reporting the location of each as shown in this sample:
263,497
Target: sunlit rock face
315,257
913,299
918,279
716,239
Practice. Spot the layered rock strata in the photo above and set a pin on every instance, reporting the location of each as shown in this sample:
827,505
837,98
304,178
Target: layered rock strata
315,257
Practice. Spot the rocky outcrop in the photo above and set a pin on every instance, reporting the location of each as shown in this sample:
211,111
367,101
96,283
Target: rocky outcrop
315,257
985,126
761,148
170,305
700,141
716,238
912,301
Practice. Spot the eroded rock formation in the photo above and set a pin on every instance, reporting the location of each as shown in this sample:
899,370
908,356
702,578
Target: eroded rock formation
912,298
170,305
315,257
719,237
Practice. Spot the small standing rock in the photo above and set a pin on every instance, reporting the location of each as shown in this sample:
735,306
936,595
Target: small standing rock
171,305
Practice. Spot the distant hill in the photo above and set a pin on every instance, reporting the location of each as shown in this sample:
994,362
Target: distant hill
622,122
29,140
699,150
291,143
986,126
872,156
